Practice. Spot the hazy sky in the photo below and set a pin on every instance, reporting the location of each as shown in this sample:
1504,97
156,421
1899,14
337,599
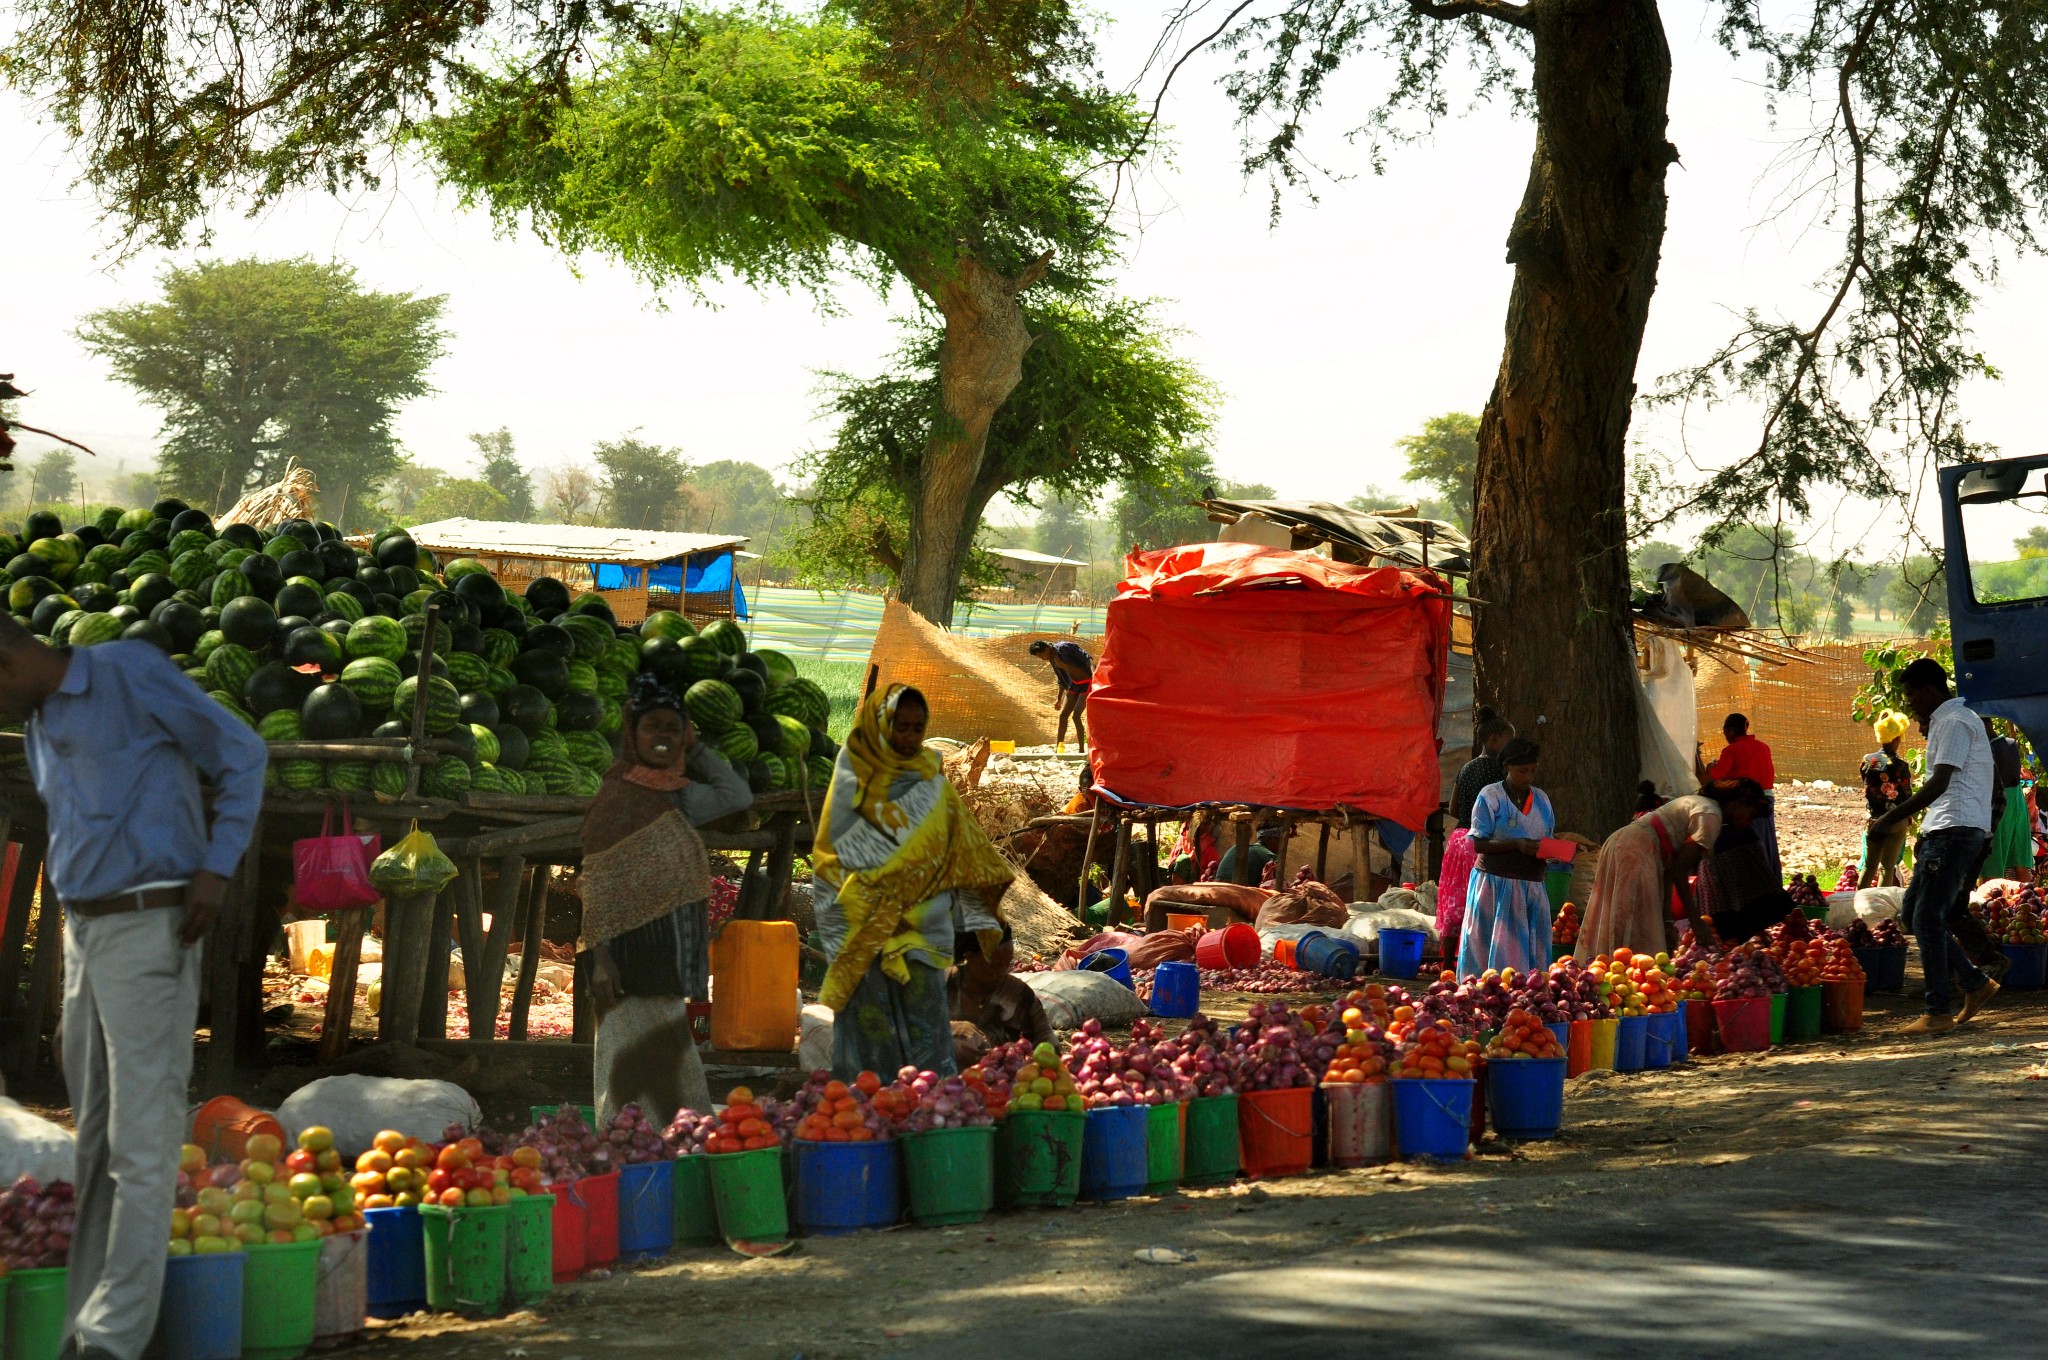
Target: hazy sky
1330,334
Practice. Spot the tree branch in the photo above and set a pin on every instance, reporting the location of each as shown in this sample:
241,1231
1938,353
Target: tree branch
1520,16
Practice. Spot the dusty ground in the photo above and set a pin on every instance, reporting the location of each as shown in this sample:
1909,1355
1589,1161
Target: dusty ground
1820,829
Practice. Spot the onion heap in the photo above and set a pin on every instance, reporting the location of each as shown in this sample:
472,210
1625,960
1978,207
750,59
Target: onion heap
1804,890
1472,1007
1886,934
954,1103
1740,975
688,1132
633,1139
1270,1049
1134,1074
1267,979
569,1148
833,1111
1536,994
997,1073
1577,989
35,1224
1206,1062
2013,917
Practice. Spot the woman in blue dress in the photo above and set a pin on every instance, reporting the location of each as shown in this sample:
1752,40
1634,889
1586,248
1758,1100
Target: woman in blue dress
1507,912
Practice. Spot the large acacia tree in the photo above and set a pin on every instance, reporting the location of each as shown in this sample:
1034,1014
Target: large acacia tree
794,151
1928,141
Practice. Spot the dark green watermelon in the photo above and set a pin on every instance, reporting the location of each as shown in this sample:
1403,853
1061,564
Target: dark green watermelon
331,713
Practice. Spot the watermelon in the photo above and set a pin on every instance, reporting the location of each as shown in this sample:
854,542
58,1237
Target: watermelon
468,670
188,569
725,635
415,626
558,775
298,774
91,629
281,725
666,623
611,684
622,657
582,677
547,744
388,780
332,712
584,783
593,635
713,705
353,776
487,778
801,699
486,743
229,666
819,769
448,777
374,680
465,566
231,704
589,750
344,604
499,682
796,738
701,659
611,716
208,640
737,744
444,704
500,647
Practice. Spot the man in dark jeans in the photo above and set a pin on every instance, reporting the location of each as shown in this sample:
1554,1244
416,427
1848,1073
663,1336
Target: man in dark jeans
1957,797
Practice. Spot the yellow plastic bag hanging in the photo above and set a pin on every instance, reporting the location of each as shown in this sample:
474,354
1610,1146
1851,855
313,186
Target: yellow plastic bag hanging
414,865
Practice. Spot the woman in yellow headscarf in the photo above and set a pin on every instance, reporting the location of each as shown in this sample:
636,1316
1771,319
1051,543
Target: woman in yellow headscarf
899,867
1887,782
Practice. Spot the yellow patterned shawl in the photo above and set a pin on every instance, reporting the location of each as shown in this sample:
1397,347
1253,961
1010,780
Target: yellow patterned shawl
894,834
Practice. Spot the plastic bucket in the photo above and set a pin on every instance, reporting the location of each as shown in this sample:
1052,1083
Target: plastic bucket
1606,1039
696,1213
1040,1154
647,1210
1401,952
951,1173
1115,964
1841,1006
201,1314
1578,1048
1187,920
1475,1124
567,1223
747,1188
35,1313
2028,968
1778,1004
1433,1116
1234,946
530,1248
1330,955
1802,1013
465,1257
1630,1032
598,1197
1884,967
1165,1126
1663,1032
1276,1131
1699,1027
341,1293
395,1273
1209,1151
1744,1024
1527,1096
1563,1030
540,1112
1681,1039
847,1187
1361,1122
1114,1163
224,1125
1176,990
279,1284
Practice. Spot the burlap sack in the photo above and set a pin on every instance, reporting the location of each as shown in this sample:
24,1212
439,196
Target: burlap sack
978,687
1307,904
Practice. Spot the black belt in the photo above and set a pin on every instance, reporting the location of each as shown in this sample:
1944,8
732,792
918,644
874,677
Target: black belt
141,899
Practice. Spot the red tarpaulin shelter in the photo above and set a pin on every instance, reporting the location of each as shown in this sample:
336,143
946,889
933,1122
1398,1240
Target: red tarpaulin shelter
1234,673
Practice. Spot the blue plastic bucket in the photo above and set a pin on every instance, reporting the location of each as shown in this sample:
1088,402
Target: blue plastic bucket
1176,990
1112,963
1884,967
1681,1028
1432,1116
1629,1036
2027,968
1663,1034
647,1210
1401,952
201,1315
398,1262
1113,1153
1331,955
1563,1030
847,1187
1526,1096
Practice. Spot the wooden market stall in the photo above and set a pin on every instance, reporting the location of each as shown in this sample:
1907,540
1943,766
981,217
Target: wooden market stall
635,570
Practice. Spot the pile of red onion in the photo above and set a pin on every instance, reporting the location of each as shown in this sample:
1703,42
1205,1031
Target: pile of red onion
35,1224
1206,1062
633,1139
999,1068
1271,1049
1577,992
569,1148
950,1104
1745,978
687,1132
1472,1006
1106,1073
1267,979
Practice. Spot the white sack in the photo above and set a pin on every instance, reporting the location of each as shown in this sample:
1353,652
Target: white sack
357,1108
1074,996
1879,904
814,1038
31,1145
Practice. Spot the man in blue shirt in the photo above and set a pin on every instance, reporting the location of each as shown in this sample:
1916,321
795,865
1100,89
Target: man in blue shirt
1072,671
117,741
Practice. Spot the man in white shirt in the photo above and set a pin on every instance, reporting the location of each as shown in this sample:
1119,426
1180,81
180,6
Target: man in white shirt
1957,795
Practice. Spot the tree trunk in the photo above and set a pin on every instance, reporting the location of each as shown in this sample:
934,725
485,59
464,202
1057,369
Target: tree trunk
1553,641
981,362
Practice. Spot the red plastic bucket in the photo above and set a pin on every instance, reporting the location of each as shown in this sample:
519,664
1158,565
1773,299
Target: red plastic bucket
1234,946
568,1225
1745,1024
599,1196
1841,1006
1276,1131
1699,1027
1578,1047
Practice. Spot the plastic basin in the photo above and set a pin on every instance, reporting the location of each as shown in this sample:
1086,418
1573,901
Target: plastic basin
396,1271
1210,1150
647,1210
1526,1096
1113,1153
1276,1131
466,1257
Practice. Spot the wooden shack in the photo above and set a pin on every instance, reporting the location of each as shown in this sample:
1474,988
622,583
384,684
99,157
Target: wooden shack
636,570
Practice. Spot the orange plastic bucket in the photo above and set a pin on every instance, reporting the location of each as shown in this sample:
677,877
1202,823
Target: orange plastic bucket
1276,1131
1234,946
1283,952
1841,1006
1578,1049
1186,920
224,1126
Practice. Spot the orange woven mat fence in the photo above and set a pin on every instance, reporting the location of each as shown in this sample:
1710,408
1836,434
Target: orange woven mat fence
1801,712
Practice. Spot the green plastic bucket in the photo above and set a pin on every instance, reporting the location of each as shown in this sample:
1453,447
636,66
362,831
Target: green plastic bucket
530,1248
1209,1152
951,1173
747,1187
1557,886
696,1208
466,1270
1041,1153
280,1286
1778,1007
1164,1153
35,1313
1802,1013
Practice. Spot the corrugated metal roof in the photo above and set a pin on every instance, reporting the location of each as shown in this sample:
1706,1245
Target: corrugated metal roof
566,542
1396,538
1036,558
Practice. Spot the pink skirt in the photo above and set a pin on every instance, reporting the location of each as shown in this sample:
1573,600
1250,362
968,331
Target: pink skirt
1451,884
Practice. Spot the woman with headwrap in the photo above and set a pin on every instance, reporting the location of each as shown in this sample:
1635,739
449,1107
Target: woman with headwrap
1507,912
1652,859
900,868
645,947
1887,782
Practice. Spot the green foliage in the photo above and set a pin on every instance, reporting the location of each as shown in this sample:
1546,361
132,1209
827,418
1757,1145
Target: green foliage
1886,664
1062,528
257,362
460,498
734,497
643,483
52,479
502,470
857,537
1919,595
1444,454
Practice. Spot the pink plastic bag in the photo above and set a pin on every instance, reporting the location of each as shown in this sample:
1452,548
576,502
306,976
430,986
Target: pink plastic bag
332,873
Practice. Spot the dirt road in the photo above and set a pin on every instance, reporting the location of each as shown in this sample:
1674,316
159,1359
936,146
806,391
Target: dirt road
1864,1194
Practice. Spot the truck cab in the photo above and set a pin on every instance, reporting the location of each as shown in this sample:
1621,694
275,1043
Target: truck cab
1998,587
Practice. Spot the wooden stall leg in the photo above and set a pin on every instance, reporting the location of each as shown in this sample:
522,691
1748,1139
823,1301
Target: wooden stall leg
408,927
341,984
1280,860
469,928
20,903
259,929
1323,855
222,971
1241,869
485,1002
529,952
1087,861
1119,873
1145,875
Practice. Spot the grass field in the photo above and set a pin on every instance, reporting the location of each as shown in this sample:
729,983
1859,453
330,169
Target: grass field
841,681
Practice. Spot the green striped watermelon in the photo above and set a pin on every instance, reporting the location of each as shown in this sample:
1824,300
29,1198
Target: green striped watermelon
593,636
666,623
486,743
342,604
374,680
737,744
713,705
375,635
819,770
228,587
229,666
800,699
781,670
298,774
621,658
557,774
487,778
444,704
702,660
90,629
530,783
796,738
589,750
611,716
583,677
500,647
353,776
448,777
725,635
584,783
469,671
415,626
208,640
280,725
388,780
188,569
231,704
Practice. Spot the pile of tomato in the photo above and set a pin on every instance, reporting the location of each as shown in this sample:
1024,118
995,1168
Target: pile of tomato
742,1127
1523,1035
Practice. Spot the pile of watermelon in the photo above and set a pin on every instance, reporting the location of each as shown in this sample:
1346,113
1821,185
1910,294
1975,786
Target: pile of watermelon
307,639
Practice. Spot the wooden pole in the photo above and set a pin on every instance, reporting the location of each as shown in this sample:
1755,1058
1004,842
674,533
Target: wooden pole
469,924
1323,855
1087,858
1119,874
529,952
1241,870
781,859
505,921
1280,860
408,918
341,983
